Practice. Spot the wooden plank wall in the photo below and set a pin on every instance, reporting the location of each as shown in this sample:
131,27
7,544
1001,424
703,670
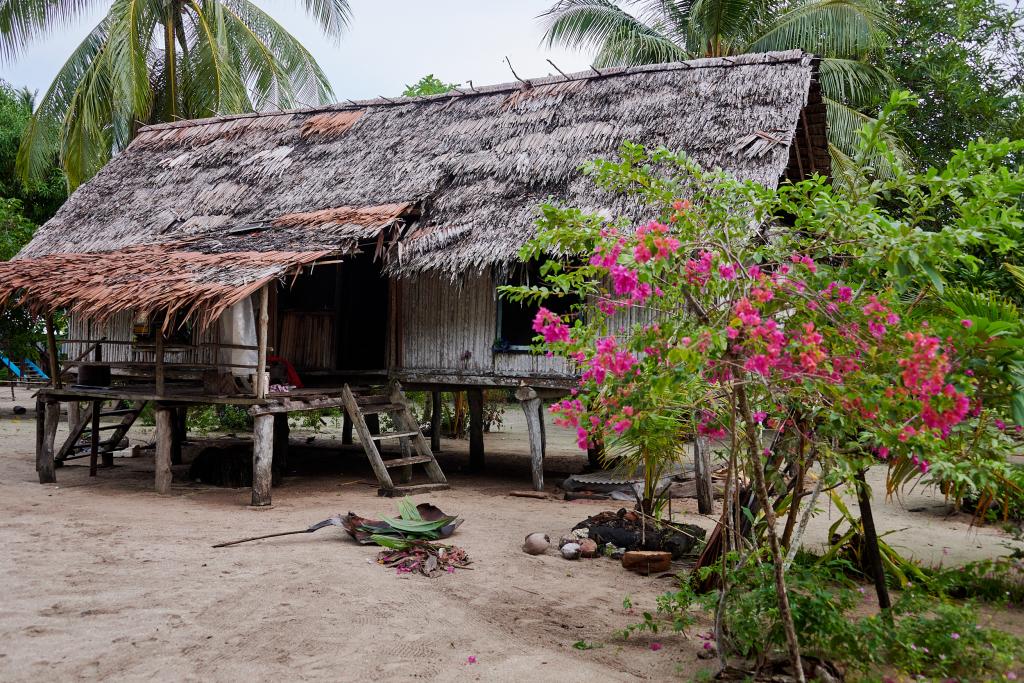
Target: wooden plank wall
119,328
450,326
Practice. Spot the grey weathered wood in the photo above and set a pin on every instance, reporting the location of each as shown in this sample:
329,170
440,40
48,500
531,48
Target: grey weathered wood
261,358
84,419
366,439
44,456
40,430
702,474
406,421
476,429
293,405
531,404
262,459
94,438
162,458
51,347
435,421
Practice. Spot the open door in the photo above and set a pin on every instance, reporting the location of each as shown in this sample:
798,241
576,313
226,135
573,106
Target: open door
362,315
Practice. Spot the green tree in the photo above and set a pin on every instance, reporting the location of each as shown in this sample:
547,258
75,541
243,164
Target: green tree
845,32
965,64
18,328
42,196
149,61
428,85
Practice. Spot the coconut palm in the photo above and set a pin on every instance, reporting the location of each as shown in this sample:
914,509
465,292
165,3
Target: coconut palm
151,61
845,32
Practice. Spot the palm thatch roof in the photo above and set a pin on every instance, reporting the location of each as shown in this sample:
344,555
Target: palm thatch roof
449,182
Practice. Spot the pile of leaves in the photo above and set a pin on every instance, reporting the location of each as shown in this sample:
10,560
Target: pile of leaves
422,556
423,522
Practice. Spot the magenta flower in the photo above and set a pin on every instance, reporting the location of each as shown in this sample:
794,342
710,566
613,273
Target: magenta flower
727,271
471,659
655,646
954,636
967,323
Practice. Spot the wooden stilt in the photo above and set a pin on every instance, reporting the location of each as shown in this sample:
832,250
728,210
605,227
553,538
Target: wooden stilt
595,453
261,359
702,474
180,432
281,433
44,453
74,414
531,407
164,437
476,429
346,429
94,439
543,429
262,459
436,414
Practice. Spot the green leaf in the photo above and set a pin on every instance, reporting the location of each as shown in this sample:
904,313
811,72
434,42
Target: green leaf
407,510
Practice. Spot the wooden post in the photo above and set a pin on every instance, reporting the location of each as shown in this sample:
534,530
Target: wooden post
435,421
531,407
261,359
262,459
346,429
164,437
158,352
40,429
702,474
281,433
180,433
74,413
476,429
543,429
94,439
44,455
872,555
51,347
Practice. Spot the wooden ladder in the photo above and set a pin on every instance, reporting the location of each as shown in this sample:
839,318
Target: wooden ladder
79,441
394,404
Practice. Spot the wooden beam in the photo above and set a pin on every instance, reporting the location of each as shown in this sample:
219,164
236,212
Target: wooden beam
44,455
476,429
435,421
261,332
531,407
94,439
51,347
262,459
162,459
288,405
159,360
415,379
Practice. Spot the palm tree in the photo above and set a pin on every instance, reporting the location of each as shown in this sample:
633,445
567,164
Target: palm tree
149,61
844,32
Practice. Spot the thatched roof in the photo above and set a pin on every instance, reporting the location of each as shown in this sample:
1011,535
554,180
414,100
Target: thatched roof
456,179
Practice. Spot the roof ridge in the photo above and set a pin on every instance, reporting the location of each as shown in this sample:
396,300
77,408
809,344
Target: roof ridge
748,59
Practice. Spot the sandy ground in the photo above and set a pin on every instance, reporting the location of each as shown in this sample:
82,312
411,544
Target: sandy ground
104,579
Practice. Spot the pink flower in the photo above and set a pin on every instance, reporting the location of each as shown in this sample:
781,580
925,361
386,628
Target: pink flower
727,271
621,426
954,636
967,323
550,325
758,364
655,646
759,416
471,659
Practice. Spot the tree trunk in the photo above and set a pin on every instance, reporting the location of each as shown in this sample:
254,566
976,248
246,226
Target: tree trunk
872,555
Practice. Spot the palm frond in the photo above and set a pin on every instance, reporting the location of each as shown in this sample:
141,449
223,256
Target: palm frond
854,82
277,69
333,16
844,126
617,37
22,22
830,28
722,27
1018,274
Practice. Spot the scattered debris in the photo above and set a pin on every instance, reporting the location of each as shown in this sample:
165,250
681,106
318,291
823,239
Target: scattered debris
424,557
707,651
539,495
571,551
588,547
624,529
647,561
423,522
536,544
332,521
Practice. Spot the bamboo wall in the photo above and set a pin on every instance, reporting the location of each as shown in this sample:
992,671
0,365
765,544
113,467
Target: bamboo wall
119,328
449,327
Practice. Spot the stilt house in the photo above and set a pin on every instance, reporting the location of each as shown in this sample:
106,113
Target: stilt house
359,243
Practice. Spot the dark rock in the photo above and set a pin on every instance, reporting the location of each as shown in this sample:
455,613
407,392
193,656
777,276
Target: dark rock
19,410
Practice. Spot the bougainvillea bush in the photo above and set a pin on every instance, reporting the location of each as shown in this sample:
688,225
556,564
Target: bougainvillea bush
791,325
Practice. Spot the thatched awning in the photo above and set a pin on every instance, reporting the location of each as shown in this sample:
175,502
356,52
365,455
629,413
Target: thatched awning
149,278
458,176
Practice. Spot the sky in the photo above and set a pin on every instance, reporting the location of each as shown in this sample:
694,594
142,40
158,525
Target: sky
391,43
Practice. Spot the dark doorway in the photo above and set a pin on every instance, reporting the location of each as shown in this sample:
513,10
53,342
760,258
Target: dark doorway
362,314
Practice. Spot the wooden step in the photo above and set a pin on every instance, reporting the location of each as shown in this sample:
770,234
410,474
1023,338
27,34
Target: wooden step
393,435
103,428
411,489
412,460
118,411
370,399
